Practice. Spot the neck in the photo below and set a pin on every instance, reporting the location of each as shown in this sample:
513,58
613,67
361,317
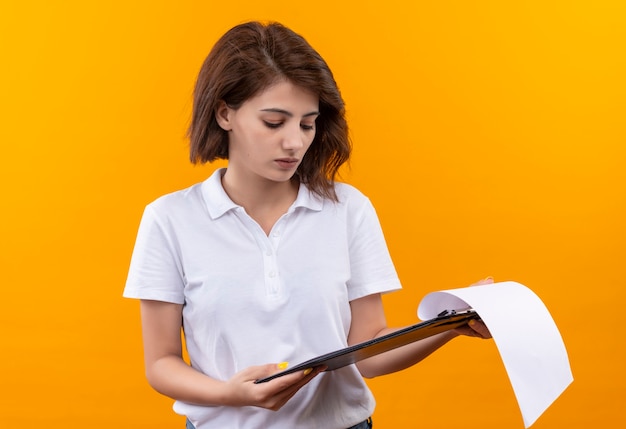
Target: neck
254,193
264,200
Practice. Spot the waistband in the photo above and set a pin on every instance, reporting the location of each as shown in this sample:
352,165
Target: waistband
366,424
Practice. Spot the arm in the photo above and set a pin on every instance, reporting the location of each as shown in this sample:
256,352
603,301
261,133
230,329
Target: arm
170,375
368,322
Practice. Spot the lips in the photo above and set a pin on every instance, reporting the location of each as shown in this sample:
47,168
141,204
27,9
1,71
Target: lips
287,162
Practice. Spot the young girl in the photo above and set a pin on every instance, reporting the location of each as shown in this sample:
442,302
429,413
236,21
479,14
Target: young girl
269,260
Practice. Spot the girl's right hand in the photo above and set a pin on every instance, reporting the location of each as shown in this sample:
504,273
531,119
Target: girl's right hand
272,395
170,375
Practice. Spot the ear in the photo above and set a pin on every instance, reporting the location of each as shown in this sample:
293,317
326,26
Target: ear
222,116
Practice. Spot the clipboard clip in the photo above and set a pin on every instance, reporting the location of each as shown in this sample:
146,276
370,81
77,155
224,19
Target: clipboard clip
453,312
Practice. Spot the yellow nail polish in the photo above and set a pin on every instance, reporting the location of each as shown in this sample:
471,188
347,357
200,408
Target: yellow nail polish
283,365
308,371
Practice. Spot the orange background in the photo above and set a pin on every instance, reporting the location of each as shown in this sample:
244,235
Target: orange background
490,135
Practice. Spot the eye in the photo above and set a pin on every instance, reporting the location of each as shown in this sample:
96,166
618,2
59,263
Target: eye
272,125
307,127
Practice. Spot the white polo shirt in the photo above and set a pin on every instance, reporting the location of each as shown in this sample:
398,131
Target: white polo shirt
251,299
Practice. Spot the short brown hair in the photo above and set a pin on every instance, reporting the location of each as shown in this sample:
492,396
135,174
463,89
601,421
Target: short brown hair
245,61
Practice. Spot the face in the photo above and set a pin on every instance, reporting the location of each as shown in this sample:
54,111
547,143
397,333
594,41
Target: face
270,133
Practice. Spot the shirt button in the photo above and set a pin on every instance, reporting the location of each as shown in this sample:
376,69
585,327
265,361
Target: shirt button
272,274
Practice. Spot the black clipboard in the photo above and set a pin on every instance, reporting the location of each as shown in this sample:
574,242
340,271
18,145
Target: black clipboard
446,321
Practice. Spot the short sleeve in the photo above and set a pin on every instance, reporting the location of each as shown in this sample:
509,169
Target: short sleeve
371,266
155,271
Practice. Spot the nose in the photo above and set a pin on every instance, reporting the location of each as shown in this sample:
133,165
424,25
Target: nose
293,138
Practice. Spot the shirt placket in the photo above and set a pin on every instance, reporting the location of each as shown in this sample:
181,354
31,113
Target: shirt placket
268,246
272,273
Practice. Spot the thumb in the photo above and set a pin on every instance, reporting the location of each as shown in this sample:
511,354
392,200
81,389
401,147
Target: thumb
485,281
262,371
281,366
273,368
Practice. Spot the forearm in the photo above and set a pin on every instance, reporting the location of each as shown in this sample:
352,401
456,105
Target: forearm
170,375
173,377
402,357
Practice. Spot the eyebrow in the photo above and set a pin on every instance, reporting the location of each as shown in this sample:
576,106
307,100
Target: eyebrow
285,112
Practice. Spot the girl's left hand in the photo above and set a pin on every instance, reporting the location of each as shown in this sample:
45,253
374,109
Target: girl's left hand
476,328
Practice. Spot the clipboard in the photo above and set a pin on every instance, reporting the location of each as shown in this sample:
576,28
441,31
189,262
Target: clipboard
445,321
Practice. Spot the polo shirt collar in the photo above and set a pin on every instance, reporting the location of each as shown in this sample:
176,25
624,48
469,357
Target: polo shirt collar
218,202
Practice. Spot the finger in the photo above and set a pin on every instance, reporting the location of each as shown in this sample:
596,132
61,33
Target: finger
294,380
284,395
485,281
254,373
480,329
474,329
300,378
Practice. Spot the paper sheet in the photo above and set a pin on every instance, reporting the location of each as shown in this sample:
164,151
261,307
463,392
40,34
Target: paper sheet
527,338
